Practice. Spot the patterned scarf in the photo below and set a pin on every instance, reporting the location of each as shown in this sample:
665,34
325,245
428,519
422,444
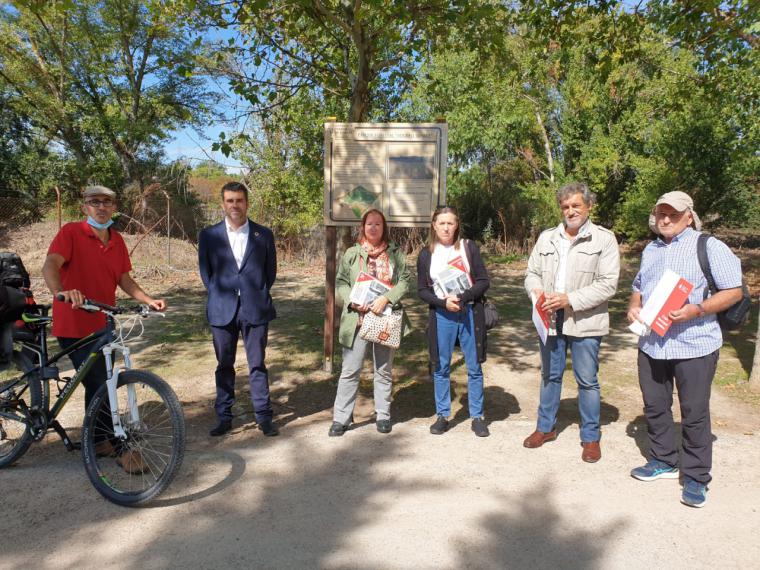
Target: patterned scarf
378,262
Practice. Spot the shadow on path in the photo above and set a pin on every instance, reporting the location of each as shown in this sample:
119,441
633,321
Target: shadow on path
527,533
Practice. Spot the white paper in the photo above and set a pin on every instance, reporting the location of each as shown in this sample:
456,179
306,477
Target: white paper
543,332
654,303
638,328
451,281
365,292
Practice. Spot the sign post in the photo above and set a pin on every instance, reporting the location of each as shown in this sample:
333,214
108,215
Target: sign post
397,168
331,234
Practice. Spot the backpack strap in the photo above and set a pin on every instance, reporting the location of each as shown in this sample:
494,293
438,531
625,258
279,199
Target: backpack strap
704,263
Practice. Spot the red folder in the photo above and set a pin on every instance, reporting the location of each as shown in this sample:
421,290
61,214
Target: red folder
541,311
675,301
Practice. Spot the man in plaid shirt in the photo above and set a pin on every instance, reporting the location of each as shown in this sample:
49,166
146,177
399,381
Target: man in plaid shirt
688,353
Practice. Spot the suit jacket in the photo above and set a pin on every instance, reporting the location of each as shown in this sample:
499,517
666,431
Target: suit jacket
226,283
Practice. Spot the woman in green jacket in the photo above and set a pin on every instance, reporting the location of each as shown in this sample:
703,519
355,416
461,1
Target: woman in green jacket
376,255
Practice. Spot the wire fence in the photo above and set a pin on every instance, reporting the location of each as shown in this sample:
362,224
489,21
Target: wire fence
15,212
162,234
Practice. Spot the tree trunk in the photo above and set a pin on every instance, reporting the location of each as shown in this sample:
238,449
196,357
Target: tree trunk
754,376
547,146
360,85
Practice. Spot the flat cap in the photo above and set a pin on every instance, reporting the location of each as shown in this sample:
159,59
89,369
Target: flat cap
91,191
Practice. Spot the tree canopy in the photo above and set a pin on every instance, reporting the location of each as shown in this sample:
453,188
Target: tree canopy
107,81
635,99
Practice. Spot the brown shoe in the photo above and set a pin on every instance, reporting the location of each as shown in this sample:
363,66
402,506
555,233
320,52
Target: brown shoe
132,462
538,438
104,449
591,451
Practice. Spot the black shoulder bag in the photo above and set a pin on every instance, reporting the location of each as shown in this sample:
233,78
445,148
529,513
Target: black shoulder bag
736,315
490,312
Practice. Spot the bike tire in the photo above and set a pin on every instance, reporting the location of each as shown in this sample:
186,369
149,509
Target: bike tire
15,435
155,444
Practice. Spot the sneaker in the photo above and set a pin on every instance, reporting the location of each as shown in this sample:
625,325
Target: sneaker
694,493
383,426
440,426
132,462
480,428
654,469
337,429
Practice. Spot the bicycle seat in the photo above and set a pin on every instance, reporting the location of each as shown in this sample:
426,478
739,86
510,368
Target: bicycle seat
35,319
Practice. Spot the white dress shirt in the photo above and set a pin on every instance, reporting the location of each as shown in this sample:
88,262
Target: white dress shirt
238,240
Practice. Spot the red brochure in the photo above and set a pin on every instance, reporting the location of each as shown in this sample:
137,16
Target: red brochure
674,301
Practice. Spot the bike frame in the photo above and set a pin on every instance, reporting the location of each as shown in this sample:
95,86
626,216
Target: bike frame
102,341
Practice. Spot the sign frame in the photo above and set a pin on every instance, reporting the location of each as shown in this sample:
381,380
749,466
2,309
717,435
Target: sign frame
379,152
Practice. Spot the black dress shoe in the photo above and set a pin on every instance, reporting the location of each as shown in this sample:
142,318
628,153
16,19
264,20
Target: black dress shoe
337,429
221,428
383,426
269,428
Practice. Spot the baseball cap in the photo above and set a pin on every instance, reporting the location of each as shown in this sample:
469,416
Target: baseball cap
91,191
680,202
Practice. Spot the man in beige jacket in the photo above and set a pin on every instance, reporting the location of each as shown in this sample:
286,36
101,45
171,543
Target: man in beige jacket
576,266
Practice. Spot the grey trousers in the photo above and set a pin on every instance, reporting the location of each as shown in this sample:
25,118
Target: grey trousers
693,378
348,384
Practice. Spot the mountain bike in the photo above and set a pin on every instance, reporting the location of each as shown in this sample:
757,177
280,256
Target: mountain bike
133,436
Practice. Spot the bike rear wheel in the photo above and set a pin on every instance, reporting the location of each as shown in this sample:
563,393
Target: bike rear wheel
134,471
15,395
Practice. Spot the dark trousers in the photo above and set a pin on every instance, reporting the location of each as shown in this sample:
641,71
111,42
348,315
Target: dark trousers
225,347
693,379
93,380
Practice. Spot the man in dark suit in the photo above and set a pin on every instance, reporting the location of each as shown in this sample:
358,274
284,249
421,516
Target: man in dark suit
238,265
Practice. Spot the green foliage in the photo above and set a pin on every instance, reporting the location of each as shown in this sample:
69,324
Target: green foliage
27,167
599,95
208,169
636,100
101,80
360,54
283,154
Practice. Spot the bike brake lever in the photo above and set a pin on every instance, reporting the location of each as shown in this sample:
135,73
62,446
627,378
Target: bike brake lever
146,311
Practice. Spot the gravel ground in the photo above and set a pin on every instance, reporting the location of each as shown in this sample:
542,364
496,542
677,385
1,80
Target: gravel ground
403,500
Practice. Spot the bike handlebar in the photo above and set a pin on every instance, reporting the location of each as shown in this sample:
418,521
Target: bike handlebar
92,306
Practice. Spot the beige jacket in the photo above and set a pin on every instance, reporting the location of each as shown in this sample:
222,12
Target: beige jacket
593,268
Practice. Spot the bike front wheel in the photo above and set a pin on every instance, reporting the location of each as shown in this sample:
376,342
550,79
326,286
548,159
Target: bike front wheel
15,397
134,470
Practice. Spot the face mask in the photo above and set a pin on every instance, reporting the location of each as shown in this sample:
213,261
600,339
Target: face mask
95,224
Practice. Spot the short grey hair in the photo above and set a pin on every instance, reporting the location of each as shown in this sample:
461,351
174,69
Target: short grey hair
572,188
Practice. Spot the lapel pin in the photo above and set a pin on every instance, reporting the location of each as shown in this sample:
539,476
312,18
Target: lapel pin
256,234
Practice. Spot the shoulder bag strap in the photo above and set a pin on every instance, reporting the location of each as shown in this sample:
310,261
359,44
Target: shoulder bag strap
704,263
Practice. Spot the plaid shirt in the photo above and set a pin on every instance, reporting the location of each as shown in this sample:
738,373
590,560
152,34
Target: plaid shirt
699,336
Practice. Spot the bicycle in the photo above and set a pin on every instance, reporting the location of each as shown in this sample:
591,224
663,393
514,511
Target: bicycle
133,436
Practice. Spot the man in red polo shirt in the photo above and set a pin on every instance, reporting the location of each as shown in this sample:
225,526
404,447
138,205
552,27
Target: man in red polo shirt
87,260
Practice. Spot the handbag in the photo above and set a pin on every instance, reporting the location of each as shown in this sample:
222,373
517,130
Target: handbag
490,314
382,329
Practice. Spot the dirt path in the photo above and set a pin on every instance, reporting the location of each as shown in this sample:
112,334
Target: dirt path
405,500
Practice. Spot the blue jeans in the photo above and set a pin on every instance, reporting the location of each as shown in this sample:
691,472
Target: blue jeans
585,358
449,327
